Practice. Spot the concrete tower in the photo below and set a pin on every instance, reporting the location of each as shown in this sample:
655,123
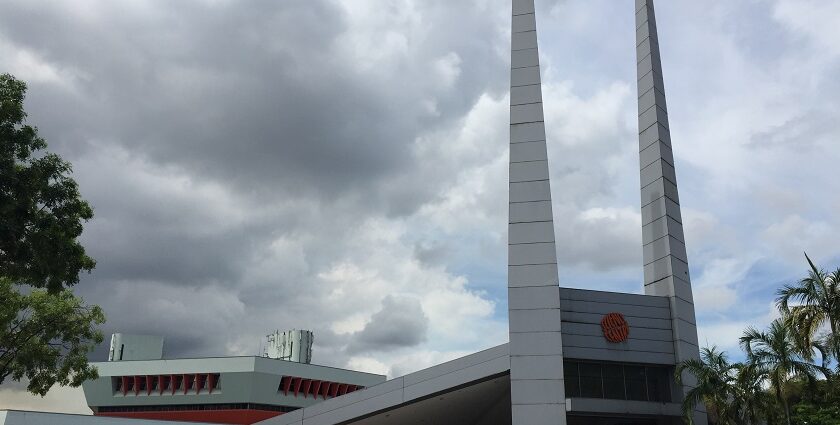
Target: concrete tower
536,349
664,254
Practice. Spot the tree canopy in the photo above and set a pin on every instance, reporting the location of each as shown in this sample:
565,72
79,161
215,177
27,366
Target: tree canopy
41,210
46,338
780,381
46,332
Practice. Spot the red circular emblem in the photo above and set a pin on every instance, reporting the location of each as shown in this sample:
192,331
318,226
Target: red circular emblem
615,327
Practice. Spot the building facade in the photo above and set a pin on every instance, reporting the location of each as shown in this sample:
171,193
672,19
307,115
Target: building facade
575,356
231,390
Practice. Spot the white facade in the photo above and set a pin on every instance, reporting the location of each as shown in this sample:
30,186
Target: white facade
294,345
17,417
135,347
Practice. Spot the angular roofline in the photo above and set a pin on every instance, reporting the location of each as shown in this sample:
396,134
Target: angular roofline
114,364
405,389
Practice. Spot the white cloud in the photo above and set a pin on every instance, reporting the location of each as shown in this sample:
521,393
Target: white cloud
815,19
236,255
19,60
790,237
724,333
715,289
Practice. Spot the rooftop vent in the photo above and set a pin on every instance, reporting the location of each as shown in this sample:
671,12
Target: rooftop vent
135,347
293,345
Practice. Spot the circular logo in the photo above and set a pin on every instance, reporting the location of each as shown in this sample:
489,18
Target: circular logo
615,327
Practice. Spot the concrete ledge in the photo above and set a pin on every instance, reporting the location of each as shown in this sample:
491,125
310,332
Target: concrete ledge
597,405
20,417
403,390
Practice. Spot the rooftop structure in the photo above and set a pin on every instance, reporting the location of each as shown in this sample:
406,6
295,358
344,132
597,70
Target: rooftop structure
135,347
235,390
294,345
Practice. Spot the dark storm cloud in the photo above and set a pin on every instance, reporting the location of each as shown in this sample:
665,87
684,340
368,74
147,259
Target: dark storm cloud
400,323
266,97
277,102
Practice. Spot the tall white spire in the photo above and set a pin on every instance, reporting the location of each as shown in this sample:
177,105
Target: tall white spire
664,253
536,357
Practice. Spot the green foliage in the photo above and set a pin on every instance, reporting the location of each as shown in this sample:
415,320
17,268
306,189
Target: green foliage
715,384
812,414
751,402
41,212
776,355
46,337
732,391
46,333
816,405
817,299
780,382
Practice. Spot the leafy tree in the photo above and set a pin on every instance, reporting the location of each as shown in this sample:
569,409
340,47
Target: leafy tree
816,404
732,392
776,355
46,338
716,378
750,401
818,305
45,332
779,383
814,414
41,211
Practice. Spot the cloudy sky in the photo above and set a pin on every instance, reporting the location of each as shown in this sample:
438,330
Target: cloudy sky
341,165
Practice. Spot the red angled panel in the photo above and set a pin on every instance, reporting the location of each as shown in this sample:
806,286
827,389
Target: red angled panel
334,389
124,380
307,384
296,384
316,387
174,384
342,389
211,381
137,385
325,389
287,384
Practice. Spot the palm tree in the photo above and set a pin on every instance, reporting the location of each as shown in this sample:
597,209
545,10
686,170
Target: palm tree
715,385
778,357
750,400
817,299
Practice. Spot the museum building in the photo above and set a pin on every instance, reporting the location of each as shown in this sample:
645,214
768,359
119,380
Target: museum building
574,356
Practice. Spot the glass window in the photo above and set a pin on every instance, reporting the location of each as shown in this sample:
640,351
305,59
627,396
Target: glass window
590,380
636,382
571,378
613,381
617,381
657,383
